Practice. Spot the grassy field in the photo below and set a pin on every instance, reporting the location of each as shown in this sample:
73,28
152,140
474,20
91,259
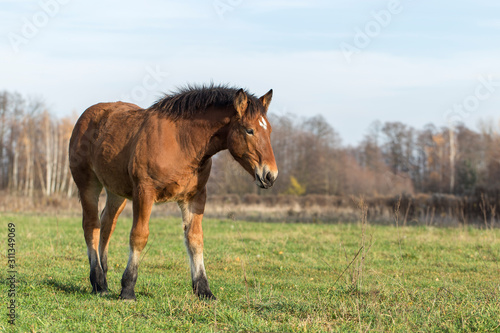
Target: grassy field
267,277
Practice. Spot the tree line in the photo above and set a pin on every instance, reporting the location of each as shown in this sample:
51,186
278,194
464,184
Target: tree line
392,158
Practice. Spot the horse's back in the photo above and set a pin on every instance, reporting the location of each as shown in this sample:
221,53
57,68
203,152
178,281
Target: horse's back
97,115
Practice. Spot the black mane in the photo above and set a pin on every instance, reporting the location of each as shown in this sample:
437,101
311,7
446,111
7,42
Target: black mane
190,100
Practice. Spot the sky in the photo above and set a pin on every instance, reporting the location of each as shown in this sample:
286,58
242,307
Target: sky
353,62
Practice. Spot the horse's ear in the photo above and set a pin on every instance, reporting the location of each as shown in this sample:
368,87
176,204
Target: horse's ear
266,99
240,102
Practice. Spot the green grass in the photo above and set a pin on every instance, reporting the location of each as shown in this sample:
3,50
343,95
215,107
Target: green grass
414,279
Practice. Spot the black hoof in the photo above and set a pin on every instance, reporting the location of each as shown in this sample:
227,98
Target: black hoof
98,282
202,290
208,296
127,295
98,291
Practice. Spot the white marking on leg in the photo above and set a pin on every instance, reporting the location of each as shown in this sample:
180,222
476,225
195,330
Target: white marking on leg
195,261
200,266
133,258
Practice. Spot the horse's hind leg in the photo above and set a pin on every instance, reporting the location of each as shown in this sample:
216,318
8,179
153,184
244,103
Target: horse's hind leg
90,188
114,206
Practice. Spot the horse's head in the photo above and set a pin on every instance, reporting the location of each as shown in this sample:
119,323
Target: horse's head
249,139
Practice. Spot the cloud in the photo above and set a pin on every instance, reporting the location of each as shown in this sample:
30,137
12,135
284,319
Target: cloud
376,86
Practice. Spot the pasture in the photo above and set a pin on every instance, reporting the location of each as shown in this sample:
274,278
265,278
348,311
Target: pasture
268,277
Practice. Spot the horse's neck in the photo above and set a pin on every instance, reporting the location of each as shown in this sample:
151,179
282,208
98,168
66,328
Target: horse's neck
205,136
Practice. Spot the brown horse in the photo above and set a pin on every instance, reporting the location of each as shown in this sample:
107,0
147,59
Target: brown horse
161,154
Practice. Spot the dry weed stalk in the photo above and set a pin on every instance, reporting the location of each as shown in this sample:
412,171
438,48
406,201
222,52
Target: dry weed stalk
396,220
349,265
363,209
427,216
245,278
359,261
493,210
243,267
407,211
483,207
432,215
462,216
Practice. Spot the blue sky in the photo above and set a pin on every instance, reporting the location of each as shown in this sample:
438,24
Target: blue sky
415,62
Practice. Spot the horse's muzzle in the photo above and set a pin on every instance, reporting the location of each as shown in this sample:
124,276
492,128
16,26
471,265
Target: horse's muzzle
265,178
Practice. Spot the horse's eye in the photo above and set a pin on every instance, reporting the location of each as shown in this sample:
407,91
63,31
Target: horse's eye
249,131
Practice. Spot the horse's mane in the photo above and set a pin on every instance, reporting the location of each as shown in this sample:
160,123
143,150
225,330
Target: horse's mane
191,100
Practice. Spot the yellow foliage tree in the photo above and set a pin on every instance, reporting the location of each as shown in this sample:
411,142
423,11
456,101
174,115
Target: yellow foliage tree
295,187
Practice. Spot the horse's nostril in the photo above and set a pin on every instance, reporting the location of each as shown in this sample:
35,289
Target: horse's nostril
269,178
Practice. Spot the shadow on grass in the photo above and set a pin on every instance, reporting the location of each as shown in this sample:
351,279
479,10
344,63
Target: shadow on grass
66,287
75,289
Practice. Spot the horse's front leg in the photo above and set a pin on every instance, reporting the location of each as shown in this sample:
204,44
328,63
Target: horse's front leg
142,205
192,215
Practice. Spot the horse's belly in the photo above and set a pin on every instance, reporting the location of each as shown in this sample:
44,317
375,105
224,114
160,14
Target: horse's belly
112,171
115,181
175,191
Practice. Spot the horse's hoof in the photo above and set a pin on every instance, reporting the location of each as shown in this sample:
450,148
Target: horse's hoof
206,294
202,290
99,291
127,295
209,296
